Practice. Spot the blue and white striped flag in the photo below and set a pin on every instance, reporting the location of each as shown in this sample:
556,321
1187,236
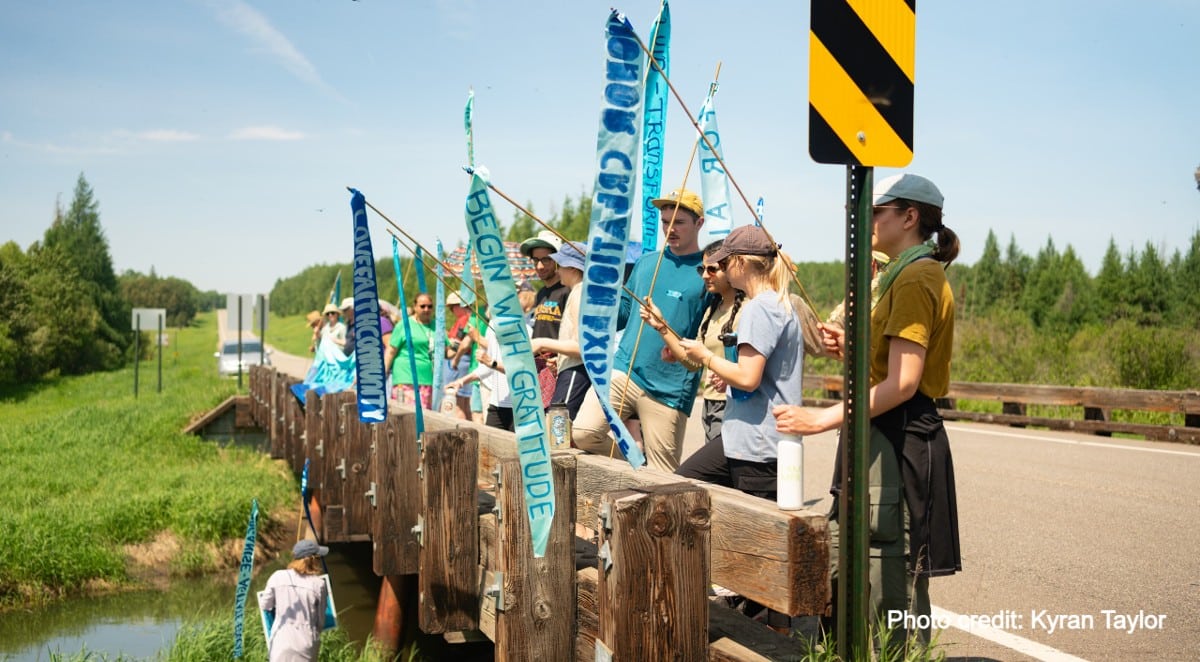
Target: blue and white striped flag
612,203
508,323
654,125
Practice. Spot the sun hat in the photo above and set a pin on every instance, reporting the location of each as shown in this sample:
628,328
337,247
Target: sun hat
907,186
330,308
306,548
543,239
682,198
745,240
348,302
313,317
453,299
571,254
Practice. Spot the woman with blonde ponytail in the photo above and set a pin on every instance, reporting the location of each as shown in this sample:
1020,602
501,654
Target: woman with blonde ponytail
765,372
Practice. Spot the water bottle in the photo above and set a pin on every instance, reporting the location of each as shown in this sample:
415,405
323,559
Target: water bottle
560,427
789,493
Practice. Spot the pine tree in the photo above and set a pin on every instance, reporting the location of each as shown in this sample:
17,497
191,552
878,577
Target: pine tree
988,277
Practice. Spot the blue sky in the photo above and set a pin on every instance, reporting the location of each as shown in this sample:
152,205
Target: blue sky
219,135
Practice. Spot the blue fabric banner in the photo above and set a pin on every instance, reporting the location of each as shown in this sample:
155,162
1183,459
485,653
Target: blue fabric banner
508,323
612,203
243,584
714,183
654,125
331,372
412,359
419,267
368,336
439,334
758,212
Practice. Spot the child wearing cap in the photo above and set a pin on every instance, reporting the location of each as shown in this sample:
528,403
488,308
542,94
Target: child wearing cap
912,334
297,595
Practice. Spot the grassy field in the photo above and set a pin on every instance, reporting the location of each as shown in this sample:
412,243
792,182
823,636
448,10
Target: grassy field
289,334
92,475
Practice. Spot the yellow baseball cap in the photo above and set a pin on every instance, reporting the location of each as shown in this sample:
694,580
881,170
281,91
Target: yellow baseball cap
682,198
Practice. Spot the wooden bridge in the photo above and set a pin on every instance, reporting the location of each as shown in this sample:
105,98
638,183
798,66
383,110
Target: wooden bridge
445,517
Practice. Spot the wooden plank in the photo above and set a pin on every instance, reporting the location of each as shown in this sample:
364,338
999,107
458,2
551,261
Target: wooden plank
587,615
356,503
538,594
197,426
1173,433
275,429
396,548
312,438
772,556
653,597
449,555
335,456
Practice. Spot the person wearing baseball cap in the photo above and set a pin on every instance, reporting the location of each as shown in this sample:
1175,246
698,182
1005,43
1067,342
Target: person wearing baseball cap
572,382
912,335
660,393
297,595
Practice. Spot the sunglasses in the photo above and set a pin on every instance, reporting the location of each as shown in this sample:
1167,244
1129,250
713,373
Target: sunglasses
711,269
424,307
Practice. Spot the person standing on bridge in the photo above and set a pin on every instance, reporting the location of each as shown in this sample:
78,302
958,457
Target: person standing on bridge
297,595
912,335
395,359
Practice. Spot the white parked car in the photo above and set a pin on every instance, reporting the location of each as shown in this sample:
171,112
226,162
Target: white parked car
252,354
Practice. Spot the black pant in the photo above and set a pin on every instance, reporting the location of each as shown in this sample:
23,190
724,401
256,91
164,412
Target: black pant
572,385
710,465
499,417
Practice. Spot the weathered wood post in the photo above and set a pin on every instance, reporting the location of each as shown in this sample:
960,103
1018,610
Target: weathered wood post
533,600
313,436
333,472
449,579
275,429
357,492
654,578
396,548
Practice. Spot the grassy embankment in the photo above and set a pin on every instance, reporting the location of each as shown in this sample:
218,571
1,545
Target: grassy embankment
103,491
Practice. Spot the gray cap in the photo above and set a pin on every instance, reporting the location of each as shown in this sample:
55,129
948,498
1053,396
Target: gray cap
907,187
306,548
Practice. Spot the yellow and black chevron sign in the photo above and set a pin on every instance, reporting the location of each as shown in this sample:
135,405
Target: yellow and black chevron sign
860,81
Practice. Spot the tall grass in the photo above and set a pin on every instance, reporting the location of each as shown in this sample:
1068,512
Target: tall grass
88,468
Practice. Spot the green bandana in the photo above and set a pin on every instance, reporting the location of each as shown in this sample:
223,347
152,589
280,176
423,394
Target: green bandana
897,265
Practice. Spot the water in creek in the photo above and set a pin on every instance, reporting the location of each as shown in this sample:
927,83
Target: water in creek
142,624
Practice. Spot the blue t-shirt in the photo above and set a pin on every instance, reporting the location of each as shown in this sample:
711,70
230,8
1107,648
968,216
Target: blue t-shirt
773,331
680,296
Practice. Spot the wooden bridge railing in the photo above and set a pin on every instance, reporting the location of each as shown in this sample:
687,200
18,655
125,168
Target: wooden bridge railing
1097,404
662,542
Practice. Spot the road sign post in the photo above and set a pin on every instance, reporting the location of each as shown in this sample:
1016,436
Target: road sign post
861,81
146,315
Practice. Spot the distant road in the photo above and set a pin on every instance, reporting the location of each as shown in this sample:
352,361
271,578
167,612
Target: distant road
1057,529
291,364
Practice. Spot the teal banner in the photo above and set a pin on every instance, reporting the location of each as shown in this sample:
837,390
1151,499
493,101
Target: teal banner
439,334
509,326
245,569
412,359
612,203
714,183
654,125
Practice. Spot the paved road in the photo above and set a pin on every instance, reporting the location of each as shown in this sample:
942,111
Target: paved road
1057,529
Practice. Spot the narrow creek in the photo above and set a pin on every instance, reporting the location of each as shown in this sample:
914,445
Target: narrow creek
143,624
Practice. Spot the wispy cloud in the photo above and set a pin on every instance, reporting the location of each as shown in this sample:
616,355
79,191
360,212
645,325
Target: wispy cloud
247,20
265,133
158,136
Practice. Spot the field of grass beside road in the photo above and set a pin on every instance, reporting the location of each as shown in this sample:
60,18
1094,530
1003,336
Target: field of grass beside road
89,473
289,334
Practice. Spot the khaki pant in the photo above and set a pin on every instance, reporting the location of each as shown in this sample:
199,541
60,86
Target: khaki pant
663,427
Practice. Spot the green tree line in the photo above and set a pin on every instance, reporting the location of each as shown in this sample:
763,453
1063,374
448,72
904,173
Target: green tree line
65,311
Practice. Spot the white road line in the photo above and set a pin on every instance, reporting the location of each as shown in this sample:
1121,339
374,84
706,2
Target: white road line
1002,637
1073,442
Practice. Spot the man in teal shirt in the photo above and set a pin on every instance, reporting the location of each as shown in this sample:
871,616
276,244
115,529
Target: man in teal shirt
660,393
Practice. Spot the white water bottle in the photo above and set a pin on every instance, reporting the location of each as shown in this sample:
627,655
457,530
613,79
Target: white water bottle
789,491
